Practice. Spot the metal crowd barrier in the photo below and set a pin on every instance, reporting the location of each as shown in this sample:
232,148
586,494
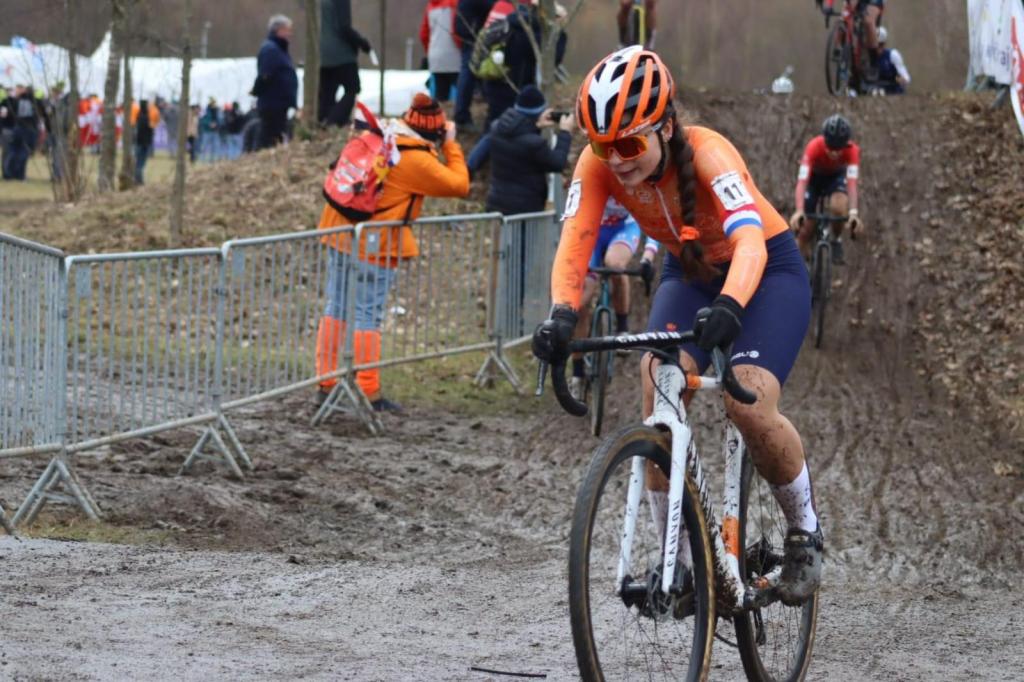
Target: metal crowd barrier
436,298
276,294
528,245
101,348
31,348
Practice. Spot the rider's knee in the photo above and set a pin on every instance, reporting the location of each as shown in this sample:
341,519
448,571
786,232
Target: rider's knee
749,419
839,204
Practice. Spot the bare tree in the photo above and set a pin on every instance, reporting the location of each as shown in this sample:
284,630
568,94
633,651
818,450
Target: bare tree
108,131
184,112
311,76
126,179
69,153
550,28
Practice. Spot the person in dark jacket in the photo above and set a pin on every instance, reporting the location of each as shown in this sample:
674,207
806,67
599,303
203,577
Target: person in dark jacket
469,20
145,117
521,157
277,84
520,61
339,62
25,132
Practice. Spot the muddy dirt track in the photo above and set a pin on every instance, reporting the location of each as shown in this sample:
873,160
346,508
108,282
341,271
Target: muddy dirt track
441,545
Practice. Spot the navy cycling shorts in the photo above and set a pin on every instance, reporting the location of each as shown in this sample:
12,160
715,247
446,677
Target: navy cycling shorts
820,187
774,321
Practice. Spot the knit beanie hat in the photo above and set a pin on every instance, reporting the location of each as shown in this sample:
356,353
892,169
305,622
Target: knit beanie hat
425,116
531,101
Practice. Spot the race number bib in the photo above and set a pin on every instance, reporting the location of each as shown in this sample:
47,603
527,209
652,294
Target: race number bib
731,191
572,200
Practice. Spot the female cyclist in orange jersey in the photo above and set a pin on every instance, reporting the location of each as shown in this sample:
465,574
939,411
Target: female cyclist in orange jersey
733,271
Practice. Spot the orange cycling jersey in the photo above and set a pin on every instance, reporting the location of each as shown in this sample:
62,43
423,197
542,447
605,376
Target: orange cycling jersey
732,219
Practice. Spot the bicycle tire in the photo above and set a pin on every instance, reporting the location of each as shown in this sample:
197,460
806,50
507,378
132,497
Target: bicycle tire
821,285
838,60
594,650
763,529
602,365
636,25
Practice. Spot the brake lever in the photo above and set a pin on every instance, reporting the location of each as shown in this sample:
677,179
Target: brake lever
542,375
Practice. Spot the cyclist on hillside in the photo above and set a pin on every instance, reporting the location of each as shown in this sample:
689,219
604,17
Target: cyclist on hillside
650,22
620,236
732,272
893,76
872,10
829,170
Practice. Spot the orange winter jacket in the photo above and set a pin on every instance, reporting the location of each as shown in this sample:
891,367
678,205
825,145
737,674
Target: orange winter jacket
418,173
154,114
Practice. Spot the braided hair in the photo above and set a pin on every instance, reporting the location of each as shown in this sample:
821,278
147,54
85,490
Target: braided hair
681,156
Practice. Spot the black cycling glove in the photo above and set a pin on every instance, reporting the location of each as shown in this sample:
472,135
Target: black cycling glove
719,325
647,274
552,336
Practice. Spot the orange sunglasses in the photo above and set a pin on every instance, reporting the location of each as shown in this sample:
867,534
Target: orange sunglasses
628,148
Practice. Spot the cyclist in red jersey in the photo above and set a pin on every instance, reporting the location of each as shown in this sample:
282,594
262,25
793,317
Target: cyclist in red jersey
872,10
872,22
730,258
829,171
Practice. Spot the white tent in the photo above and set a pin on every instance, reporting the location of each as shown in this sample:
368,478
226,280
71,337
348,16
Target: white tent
226,80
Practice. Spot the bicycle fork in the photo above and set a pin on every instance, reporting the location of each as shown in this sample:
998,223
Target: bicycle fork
726,541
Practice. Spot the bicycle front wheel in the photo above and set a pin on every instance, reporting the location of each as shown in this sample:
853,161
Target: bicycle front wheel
821,287
628,629
602,365
838,60
775,641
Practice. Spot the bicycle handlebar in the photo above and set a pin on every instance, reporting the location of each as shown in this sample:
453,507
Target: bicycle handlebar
825,217
610,272
829,218
656,340
634,272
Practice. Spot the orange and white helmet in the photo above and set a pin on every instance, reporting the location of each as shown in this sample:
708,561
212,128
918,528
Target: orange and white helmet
626,92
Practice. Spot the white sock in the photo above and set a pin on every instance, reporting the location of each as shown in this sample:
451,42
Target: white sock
659,514
797,502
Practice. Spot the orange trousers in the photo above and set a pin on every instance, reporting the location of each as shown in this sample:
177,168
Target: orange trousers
330,336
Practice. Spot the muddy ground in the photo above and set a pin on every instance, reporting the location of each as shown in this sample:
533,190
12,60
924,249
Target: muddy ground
441,545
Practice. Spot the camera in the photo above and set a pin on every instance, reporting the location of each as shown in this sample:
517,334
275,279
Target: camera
557,114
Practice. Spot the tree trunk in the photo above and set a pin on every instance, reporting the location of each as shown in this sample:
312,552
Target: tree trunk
383,56
108,131
126,179
311,76
71,180
184,112
548,41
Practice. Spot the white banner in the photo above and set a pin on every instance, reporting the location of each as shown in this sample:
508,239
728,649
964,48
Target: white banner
989,27
1017,45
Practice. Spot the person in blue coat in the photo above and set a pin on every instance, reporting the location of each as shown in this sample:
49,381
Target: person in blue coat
277,84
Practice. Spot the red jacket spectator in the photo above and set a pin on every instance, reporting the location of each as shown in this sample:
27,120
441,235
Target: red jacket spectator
437,33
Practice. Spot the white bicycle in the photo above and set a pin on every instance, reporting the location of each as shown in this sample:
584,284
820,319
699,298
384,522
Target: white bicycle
646,589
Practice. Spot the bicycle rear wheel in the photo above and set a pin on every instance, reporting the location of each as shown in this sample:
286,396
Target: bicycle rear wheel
602,365
838,60
821,287
629,630
775,641
636,29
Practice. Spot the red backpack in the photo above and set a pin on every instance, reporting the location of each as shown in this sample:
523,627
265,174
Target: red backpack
356,179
